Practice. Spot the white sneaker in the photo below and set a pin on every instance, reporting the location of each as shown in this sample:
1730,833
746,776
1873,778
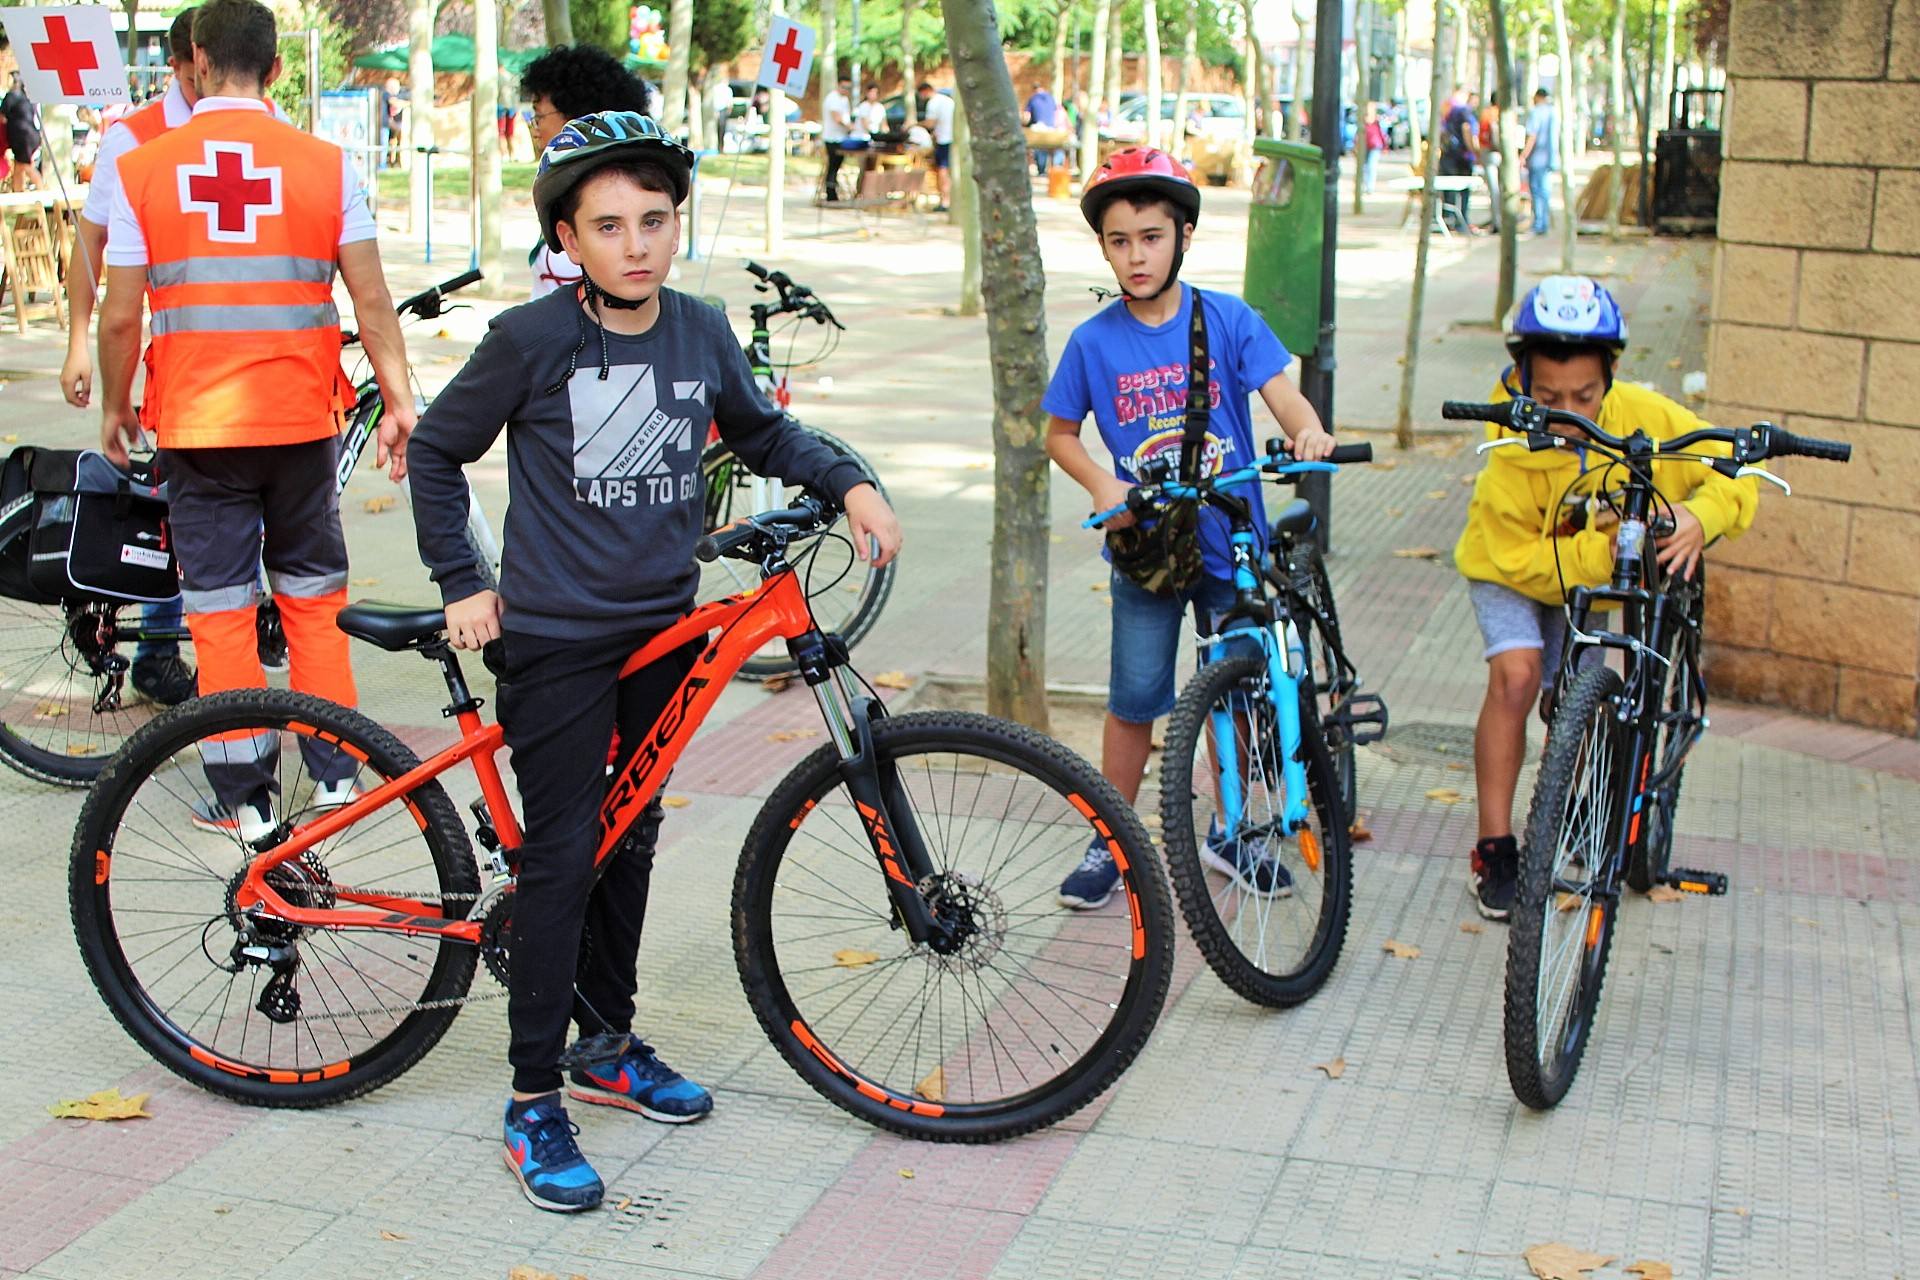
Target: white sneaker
249,823
331,795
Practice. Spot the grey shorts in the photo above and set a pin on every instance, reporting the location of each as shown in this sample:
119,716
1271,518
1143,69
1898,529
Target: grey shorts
1509,620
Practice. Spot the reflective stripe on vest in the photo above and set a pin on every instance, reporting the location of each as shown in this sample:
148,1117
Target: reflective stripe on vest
262,270
253,318
242,215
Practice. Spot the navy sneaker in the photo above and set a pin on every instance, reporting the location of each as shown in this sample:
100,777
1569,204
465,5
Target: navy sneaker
1248,865
1494,873
1089,885
544,1157
638,1081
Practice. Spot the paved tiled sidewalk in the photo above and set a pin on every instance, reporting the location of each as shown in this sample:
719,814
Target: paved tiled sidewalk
1749,1106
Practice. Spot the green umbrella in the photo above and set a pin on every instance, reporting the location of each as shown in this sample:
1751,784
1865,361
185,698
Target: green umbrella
450,53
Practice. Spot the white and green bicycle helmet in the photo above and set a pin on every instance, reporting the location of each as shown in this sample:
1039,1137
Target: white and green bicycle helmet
590,142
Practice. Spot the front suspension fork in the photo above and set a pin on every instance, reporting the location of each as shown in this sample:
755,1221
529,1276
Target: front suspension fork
1285,697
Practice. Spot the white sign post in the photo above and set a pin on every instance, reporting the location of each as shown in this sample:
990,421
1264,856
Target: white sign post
68,54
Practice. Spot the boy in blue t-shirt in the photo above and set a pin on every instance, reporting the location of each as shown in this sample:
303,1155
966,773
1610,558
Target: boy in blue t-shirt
1128,367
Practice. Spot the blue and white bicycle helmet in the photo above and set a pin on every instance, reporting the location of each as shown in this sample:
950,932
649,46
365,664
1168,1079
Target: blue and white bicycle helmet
1566,311
592,141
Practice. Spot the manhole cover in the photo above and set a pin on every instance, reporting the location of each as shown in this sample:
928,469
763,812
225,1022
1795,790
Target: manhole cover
1429,740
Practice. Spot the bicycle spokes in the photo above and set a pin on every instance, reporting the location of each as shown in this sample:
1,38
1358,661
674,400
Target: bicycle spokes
1575,914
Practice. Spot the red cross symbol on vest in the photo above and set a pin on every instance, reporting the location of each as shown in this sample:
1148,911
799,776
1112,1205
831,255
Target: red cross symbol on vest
787,56
230,191
66,57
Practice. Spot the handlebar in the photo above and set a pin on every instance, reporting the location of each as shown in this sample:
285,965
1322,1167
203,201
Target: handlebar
426,304
1749,445
794,298
1141,498
753,536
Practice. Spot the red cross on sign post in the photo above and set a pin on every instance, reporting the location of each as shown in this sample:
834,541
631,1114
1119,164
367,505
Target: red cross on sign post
67,53
229,191
787,60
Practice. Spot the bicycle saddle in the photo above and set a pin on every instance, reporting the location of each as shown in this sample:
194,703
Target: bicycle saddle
391,626
1294,518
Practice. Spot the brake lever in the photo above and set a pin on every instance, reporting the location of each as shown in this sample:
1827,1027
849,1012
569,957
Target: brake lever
1488,446
1768,476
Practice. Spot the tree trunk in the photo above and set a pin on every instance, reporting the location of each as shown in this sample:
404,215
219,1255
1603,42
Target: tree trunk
1565,91
1015,296
1116,60
1415,126
1616,112
559,22
1150,25
1410,361
132,10
1362,67
1302,15
776,215
419,110
1663,109
484,173
908,86
1507,136
1096,71
966,211
1059,85
673,90
1189,40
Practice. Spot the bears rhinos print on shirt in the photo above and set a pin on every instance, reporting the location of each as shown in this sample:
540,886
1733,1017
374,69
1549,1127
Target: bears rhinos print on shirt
1159,395
629,449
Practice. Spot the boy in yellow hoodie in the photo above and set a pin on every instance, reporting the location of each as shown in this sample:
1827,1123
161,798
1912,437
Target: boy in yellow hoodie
1533,533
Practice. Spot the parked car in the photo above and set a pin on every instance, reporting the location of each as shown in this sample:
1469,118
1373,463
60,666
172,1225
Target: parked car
1219,113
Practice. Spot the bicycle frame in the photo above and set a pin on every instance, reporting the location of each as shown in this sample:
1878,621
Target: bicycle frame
777,609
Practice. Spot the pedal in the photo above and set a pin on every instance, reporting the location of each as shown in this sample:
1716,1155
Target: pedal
1364,715
1687,880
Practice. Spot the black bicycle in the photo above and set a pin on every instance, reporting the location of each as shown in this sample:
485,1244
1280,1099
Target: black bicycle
64,703
846,593
1603,808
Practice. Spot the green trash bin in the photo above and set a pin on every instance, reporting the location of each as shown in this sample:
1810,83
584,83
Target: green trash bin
1284,235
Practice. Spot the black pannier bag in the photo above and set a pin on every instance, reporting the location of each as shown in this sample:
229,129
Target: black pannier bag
75,527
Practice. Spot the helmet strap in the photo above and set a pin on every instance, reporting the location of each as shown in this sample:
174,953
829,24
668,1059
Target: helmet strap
1173,271
595,294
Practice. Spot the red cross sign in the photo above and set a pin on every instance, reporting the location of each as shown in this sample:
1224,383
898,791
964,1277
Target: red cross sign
787,60
67,53
229,191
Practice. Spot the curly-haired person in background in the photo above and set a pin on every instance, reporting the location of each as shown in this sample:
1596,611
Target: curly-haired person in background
559,86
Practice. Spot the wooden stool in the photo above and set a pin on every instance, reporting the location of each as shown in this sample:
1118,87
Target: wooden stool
30,263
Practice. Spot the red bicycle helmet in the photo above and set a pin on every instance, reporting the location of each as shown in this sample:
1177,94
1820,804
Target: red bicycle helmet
1139,171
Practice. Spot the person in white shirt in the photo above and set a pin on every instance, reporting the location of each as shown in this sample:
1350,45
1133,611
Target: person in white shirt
871,114
719,106
836,111
939,118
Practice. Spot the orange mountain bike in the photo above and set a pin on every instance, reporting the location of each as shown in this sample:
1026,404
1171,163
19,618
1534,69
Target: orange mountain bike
893,910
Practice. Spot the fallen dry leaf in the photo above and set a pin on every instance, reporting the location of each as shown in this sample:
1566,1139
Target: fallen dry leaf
1396,512
893,680
1384,464
1335,1068
1097,587
392,1235
1468,478
675,802
1435,495
525,1272
1743,1213
934,1087
1664,893
1400,950
8,438
851,959
777,684
1416,553
49,711
1807,921
366,582
907,1174
1556,1261
1648,1269
375,505
1358,831
105,1105
1472,926
621,1207
1568,901
1444,795
792,735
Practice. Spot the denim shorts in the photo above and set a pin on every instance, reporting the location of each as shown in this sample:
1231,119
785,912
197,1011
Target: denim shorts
1141,679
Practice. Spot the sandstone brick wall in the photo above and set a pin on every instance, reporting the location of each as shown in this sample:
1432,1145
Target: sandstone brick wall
1816,326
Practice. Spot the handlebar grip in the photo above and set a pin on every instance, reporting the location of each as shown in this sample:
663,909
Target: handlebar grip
756,270
1466,411
1785,442
722,540
1344,454
460,282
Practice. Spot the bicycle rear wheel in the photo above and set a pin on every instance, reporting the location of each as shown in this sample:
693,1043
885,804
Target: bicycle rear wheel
1038,1011
1273,950
845,592
1562,920
151,890
56,667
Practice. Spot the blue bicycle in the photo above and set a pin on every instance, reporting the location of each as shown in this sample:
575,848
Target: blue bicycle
1257,832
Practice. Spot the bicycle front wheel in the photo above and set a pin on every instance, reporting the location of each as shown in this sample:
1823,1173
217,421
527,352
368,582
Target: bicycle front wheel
64,708
845,592
1562,921
1033,1015
241,1004
1268,908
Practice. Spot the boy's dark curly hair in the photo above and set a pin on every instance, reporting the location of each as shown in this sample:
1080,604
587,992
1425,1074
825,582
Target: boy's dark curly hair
581,79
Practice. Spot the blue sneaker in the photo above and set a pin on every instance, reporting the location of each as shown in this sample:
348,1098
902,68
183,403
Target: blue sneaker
1252,868
1089,885
638,1081
544,1157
